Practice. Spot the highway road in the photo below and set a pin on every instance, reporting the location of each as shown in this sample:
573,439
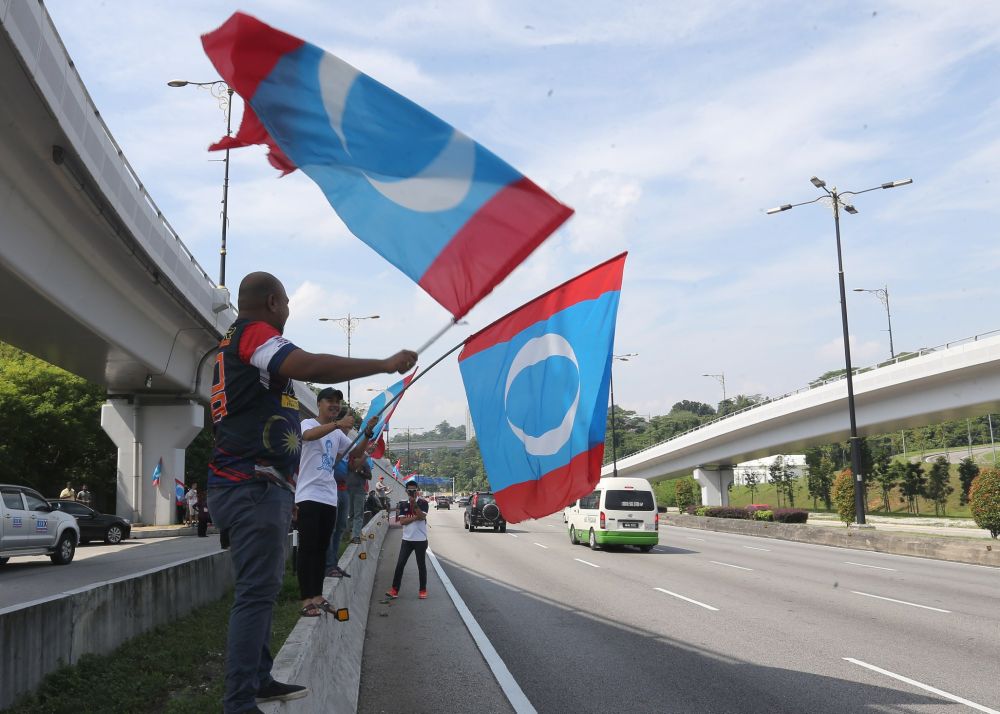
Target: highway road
35,577
715,622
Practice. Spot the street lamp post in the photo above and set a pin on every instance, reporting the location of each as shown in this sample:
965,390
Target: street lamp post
408,444
836,199
348,323
224,93
883,295
721,379
614,431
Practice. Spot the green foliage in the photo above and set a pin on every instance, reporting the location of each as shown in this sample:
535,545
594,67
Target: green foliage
819,479
967,472
912,486
701,510
685,493
984,500
197,456
442,432
938,489
763,515
843,496
697,408
751,479
51,426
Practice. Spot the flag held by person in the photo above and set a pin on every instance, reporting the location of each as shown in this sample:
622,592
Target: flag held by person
378,404
451,215
537,384
157,471
179,492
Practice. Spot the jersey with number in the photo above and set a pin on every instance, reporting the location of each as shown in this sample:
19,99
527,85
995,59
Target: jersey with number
254,410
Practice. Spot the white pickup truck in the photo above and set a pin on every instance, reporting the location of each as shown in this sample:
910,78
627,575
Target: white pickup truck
30,526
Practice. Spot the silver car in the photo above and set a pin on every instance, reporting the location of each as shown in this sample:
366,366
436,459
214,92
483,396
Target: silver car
30,526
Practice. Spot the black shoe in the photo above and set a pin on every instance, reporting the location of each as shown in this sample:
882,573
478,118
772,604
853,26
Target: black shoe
278,692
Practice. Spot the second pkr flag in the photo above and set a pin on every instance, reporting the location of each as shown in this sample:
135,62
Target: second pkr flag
454,217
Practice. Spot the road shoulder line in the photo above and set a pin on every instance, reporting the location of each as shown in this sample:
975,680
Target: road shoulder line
921,685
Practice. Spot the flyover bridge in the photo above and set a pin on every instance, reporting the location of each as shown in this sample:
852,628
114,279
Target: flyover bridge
953,381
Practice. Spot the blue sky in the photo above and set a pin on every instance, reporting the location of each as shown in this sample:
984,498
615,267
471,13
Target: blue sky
669,127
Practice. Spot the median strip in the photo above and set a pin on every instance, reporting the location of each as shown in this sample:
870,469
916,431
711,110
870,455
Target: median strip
687,599
921,685
902,602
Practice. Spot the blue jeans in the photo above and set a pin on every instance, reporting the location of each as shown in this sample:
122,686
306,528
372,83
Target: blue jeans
333,551
257,515
357,499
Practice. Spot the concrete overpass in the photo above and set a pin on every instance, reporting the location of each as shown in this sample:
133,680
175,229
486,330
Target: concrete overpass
454,445
948,382
92,276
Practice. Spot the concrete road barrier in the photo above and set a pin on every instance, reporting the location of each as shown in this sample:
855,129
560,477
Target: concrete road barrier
323,654
938,548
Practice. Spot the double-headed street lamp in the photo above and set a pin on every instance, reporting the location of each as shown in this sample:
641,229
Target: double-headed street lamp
836,198
224,93
614,431
883,295
348,323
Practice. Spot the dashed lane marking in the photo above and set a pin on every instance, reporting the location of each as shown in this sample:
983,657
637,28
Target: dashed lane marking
730,565
921,685
687,599
902,602
586,563
874,567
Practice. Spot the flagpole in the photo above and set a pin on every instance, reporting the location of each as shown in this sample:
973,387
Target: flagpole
437,335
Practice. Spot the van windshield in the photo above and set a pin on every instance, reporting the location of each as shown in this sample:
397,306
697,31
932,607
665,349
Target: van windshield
629,501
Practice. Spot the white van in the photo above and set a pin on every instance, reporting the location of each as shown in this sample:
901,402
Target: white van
621,511
30,526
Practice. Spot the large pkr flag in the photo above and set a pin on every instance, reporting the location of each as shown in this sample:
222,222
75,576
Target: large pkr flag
451,215
537,383
378,405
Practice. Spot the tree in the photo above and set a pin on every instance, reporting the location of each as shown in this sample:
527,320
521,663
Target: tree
843,496
752,479
938,488
778,474
984,500
888,478
967,472
684,493
912,486
819,480
697,408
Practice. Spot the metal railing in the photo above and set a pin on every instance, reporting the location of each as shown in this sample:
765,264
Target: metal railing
819,383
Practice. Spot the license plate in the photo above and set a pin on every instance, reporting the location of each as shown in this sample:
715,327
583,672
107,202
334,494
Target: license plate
629,524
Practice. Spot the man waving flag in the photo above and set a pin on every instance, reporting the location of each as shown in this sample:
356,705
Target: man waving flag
537,383
452,216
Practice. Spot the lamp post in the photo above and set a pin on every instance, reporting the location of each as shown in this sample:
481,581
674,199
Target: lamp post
348,323
836,198
721,379
224,93
408,443
614,432
883,295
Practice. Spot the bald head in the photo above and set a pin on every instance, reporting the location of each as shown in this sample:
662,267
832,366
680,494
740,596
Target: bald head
263,297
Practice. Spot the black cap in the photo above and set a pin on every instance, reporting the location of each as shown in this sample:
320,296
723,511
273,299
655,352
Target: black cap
329,393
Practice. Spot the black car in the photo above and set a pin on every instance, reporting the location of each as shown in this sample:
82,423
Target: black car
442,502
94,525
483,512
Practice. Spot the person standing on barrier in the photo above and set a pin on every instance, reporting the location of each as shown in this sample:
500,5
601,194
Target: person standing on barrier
251,479
412,514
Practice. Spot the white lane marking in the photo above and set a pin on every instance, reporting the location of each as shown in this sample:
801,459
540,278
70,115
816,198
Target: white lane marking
926,687
586,563
874,567
510,687
693,538
512,535
753,547
549,525
681,597
902,602
542,546
729,565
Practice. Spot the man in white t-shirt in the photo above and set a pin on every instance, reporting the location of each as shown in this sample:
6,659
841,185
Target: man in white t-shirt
192,502
412,514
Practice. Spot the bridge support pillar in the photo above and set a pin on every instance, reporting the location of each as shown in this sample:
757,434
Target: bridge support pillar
145,433
715,484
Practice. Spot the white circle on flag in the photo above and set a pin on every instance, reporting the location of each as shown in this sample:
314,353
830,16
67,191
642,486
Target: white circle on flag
535,350
442,185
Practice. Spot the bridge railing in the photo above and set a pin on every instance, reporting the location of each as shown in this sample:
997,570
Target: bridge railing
819,383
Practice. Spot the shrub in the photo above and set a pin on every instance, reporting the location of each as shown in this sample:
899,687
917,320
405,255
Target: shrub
843,495
727,512
684,493
984,500
762,515
791,515
758,507
699,510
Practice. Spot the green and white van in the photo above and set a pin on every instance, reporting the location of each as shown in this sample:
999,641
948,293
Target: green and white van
621,511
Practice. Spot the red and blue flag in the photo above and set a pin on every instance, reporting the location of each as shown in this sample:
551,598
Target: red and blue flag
451,215
537,383
179,492
379,402
157,470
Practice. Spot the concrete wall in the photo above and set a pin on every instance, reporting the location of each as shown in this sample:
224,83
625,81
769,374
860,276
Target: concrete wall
943,548
38,637
324,654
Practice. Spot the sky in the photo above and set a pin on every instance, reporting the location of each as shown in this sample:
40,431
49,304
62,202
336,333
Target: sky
669,127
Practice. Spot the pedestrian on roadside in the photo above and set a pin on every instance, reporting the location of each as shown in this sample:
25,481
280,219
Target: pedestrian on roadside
358,475
412,514
84,496
255,416
203,517
191,498
68,492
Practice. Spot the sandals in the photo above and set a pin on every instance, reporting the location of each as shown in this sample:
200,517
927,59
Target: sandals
312,610
326,607
336,572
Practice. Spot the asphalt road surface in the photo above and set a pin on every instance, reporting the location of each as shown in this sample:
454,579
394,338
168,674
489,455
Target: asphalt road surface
716,622
34,577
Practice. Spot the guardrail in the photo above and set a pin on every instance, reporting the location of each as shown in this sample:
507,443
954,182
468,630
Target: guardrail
819,383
